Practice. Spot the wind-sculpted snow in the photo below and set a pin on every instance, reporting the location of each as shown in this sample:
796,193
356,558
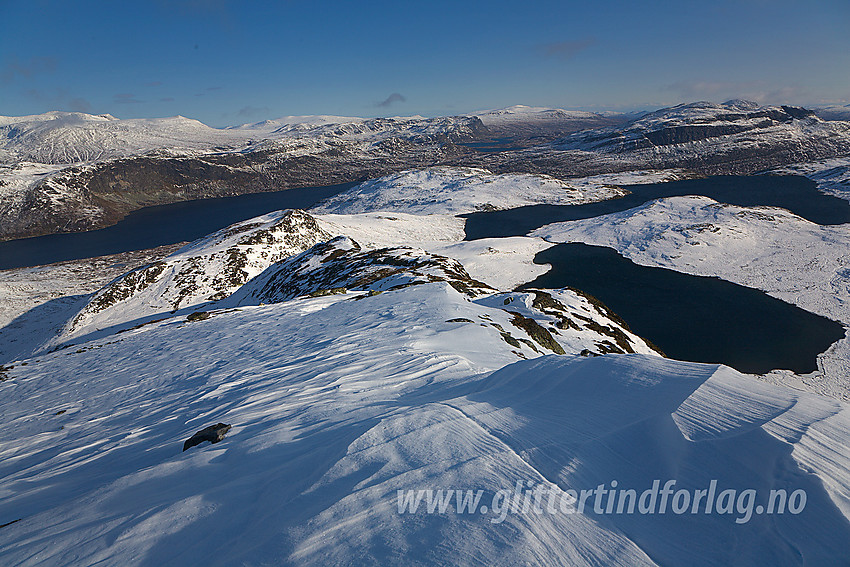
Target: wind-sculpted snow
337,403
445,190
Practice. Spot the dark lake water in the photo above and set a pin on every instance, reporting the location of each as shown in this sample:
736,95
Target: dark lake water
495,145
157,226
694,318
795,193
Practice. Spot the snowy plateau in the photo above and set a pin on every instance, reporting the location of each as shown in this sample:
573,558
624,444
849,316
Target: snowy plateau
362,355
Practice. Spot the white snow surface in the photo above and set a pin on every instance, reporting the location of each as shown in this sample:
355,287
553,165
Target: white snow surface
337,403
75,137
361,348
453,190
36,303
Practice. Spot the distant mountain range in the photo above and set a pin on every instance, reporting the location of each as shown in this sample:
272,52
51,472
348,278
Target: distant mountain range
73,171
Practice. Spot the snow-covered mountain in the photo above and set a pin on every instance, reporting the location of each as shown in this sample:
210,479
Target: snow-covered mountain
209,269
834,112
732,137
362,348
75,137
62,172
338,401
122,165
522,121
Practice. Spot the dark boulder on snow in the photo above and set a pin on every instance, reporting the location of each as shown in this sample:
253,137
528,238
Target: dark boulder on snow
213,434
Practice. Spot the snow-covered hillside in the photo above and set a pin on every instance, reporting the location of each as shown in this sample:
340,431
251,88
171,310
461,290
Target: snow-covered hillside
733,137
833,112
206,270
360,359
338,402
67,172
75,137
445,190
36,303
346,371
523,113
759,247
522,121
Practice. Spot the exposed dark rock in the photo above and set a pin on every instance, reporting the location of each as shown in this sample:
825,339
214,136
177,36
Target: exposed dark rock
540,335
10,523
340,264
213,434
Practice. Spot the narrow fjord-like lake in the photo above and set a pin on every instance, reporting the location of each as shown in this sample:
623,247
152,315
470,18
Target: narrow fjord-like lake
158,226
793,192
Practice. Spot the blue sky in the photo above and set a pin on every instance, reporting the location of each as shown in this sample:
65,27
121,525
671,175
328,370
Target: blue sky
227,62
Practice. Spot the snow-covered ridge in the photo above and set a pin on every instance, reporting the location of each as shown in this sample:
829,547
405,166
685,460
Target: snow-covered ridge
341,264
286,255
451,190
307,120
206,270
693,122
539,123
833,112
523,113
736,137
74,137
